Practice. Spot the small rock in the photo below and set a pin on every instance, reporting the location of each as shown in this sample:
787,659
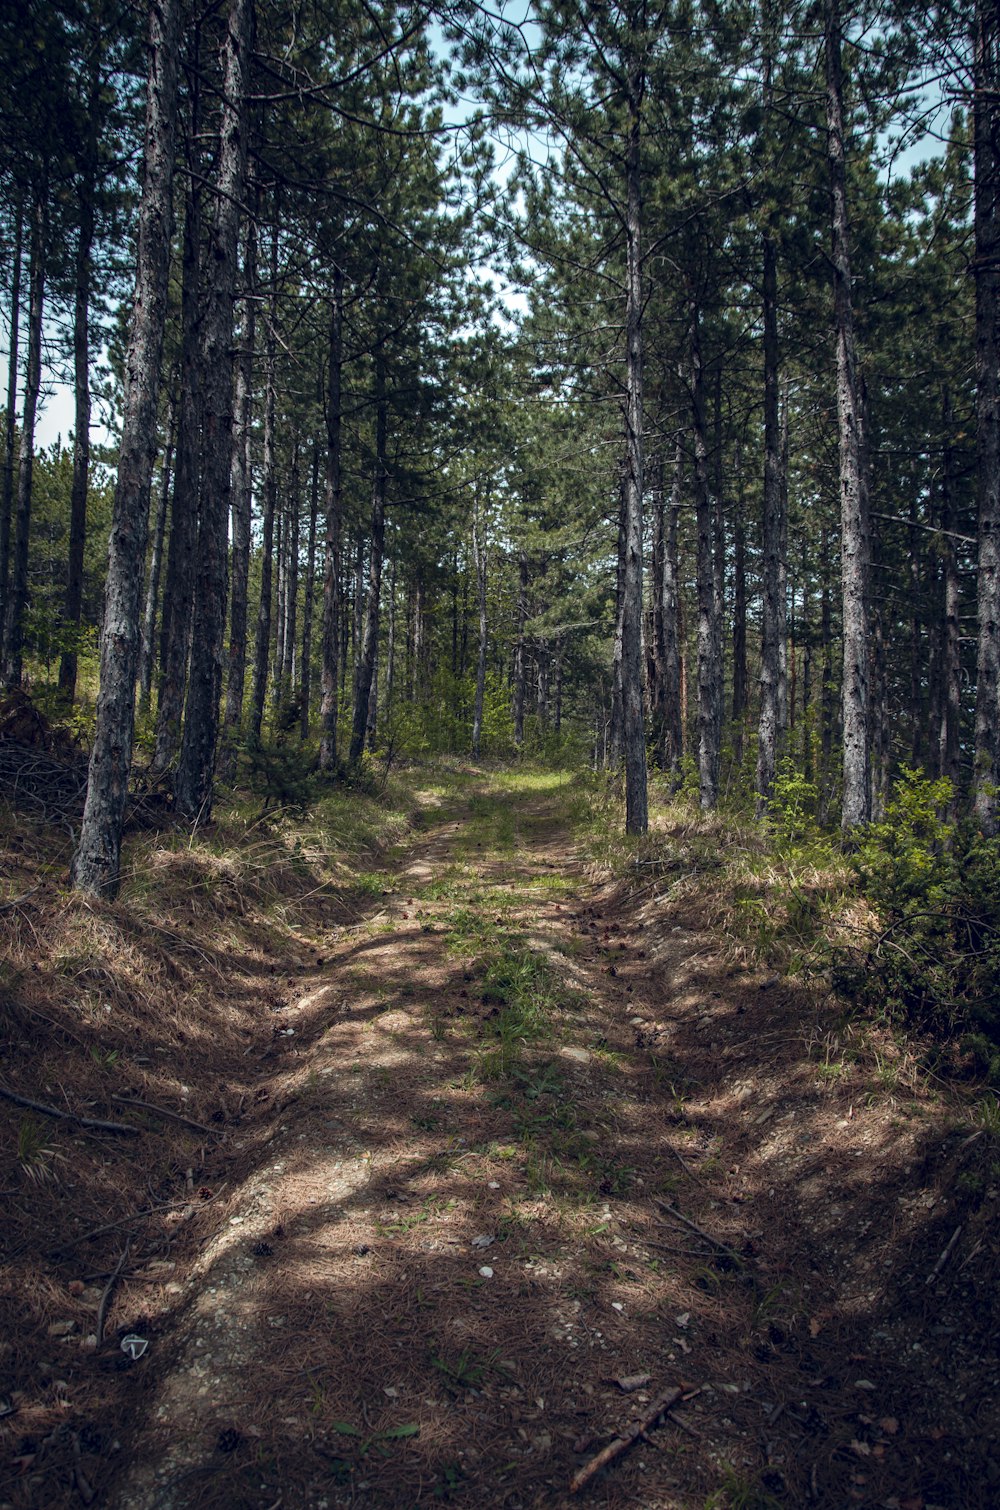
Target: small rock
62,1328
486,1272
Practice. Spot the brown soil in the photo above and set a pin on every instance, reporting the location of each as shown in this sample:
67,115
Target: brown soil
386,1275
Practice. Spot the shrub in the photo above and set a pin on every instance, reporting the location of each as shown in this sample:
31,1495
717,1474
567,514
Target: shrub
933,958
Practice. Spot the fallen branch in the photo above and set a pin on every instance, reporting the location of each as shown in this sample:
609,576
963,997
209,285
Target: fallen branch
137,1216
52,1111
715,1241
659,1407
164,1111
102,1309
945,1255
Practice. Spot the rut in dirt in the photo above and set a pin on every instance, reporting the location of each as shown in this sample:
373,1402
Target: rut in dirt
536,1152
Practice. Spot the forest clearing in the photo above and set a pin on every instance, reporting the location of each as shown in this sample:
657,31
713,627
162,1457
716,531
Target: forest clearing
440,1173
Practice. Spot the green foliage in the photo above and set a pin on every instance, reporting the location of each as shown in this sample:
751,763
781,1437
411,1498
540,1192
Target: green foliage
281,775
933,958
792,809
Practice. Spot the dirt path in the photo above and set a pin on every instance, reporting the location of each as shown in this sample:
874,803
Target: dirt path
527,1142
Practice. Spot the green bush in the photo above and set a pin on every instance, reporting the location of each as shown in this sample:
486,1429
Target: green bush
933,958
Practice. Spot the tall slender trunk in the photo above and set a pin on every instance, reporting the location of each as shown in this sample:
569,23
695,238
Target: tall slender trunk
709,681
291,597
390,651
616,729
718,564
156,567
633,720
479,557
367,649
305,677
73,600
783,645
854,521
262,644
656,654
986,131
18,600
519,648
673,690
917,710
740,674
196,768
10,427
333,504
97,862
281,558
951,663
175,625
767,736
827,709
242,504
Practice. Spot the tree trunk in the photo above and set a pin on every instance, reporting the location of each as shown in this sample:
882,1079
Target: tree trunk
365,664
519,648
333,508
155,568
673,693
281,558
740,674
97,862
657,647
10,427
291,601
390,655
616,727
18,601
633,721
709,679
196,769
73,601
175,625
986,131
951,663
854,543
305,678
242,503
262,645
767,737
479,557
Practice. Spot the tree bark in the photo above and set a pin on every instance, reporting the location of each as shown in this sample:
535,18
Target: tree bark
18,600
479,558
10,427
740,674
854,543
709,678
73,600
673,696
175,624
155,568
951,663
986,130
365,664
262,645
305,678
333,510
657,649
242,503
633,720
97,862
767,735
519,648
196,768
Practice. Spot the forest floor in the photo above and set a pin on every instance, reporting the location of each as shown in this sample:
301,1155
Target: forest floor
484,1157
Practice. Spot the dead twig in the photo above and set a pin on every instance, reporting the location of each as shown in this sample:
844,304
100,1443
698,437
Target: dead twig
136,1216
53,1111
102,1309
714,1241
164,1111
944,1255
659,1407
